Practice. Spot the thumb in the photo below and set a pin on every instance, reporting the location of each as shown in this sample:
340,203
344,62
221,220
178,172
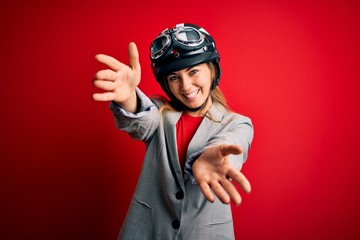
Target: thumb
134,56
230,149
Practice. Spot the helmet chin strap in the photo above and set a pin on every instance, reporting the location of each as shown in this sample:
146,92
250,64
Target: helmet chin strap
195,109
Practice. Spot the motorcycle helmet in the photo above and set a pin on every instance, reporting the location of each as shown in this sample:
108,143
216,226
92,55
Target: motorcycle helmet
181,47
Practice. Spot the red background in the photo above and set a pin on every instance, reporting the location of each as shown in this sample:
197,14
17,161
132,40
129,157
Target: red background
293,67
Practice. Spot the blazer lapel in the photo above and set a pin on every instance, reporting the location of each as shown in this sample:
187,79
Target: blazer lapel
201,137
171,119
206,129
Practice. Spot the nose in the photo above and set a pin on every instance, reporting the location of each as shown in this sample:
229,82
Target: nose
185,83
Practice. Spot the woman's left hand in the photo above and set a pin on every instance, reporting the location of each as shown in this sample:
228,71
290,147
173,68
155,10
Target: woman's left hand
213,171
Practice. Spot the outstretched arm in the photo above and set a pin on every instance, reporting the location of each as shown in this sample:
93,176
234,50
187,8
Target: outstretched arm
120,80
213,172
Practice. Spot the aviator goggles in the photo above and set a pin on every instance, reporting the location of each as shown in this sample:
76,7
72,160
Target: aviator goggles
185,36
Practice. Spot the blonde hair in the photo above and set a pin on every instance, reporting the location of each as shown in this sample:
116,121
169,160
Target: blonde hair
216,94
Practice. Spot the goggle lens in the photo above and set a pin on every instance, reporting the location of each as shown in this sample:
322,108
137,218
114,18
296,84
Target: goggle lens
159,45
187,36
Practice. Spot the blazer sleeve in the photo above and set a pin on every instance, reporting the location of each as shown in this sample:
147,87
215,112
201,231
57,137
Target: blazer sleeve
140,125
240,132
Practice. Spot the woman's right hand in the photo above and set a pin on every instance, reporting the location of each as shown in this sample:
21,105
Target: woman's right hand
120,81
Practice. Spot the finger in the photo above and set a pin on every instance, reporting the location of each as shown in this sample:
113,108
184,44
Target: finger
134,56
106,74
109,61
205,189
232,191
230,149
220,192
104,85
240,179
107,96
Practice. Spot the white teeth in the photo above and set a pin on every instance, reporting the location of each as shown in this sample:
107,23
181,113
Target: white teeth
191,94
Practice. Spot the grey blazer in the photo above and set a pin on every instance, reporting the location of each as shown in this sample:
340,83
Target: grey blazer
168,204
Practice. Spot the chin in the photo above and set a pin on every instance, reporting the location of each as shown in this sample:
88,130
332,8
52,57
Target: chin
193,105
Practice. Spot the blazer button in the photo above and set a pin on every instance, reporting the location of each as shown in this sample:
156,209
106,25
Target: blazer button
179,195
175,224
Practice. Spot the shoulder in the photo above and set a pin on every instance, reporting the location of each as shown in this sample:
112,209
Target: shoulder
225,115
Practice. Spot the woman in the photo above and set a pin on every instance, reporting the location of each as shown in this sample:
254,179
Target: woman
195,145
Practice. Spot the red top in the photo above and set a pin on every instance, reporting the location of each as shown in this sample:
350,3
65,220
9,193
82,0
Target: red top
185,130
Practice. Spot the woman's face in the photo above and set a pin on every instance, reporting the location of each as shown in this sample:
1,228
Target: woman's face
192,85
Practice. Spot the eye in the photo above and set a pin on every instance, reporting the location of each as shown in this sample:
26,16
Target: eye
172,77
194,71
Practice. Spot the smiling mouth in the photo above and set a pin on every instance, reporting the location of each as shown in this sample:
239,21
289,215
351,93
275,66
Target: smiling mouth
191,95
